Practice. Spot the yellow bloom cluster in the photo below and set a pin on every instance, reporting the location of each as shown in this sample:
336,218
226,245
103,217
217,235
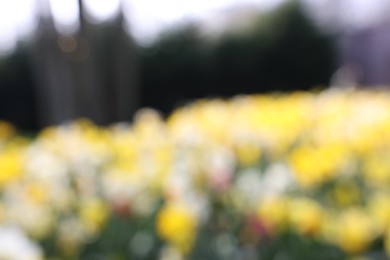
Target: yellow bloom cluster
315,164
177,225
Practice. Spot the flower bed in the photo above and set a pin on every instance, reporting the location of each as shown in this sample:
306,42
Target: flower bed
298,176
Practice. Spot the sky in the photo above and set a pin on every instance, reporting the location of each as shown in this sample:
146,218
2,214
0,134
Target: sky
145,18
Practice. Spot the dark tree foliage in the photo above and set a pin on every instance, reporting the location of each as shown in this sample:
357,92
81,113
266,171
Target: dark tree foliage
283,51
17,97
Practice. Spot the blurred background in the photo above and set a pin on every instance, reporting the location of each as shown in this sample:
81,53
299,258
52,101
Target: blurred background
104,59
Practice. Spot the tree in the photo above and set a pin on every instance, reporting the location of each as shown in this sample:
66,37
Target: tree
79,77
282,51
17,97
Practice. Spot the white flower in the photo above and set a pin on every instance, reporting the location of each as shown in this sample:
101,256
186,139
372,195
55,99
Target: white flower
15,245
276,180
247,190
220,164
37,223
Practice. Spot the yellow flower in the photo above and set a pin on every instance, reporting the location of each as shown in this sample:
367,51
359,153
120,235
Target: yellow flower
356,231
315,164
274,213
379,208
345,194
93,214
330,227
306,216
177,225
376,169
6,130
37,193
248,154
387,242
11,165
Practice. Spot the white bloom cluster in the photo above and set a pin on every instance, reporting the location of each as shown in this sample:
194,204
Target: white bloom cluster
15,245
